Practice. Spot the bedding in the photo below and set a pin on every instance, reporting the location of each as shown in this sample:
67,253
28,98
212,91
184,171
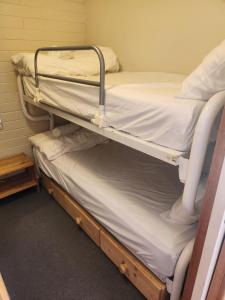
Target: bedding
144,105
53,147
64,63
127,194
65,129
208,78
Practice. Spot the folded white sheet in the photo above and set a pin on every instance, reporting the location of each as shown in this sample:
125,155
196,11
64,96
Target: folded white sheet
55,147
80,63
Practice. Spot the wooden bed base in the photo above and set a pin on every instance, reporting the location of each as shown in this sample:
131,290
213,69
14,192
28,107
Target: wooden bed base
141,277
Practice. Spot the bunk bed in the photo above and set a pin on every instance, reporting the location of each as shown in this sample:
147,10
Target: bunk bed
195,117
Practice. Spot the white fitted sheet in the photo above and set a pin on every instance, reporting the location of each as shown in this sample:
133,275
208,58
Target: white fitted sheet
142,104
126,191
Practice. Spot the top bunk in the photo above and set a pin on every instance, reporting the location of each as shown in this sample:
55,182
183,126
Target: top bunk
145,111
166,116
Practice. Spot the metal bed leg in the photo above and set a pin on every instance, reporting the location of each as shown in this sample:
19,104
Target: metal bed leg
198,150
48,117
180,271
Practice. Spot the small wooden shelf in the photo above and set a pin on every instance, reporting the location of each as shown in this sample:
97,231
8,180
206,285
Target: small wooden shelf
25,177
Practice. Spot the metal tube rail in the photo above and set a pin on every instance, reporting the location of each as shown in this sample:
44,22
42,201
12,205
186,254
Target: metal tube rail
100,84
48,117
180,271
198,149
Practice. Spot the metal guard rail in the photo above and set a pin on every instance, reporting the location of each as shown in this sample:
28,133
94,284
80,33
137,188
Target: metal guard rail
100,84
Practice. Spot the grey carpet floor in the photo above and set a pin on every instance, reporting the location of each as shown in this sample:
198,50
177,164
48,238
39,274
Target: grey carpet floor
44,255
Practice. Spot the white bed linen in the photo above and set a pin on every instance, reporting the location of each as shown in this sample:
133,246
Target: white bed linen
126,191
66,63
142,104
53,147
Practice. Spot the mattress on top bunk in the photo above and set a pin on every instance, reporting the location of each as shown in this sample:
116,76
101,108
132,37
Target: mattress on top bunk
126,191
144,105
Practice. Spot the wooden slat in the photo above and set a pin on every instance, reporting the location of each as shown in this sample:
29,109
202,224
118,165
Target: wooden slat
16,184
15,163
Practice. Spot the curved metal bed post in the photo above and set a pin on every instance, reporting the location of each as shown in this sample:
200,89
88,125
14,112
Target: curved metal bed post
180,271
199,148
48,117
100,84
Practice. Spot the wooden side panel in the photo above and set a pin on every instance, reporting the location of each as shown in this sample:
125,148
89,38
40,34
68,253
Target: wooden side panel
81,217
148,284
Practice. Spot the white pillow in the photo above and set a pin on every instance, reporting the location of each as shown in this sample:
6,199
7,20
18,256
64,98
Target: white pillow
89,60
53,148
65,129
208,78
38,139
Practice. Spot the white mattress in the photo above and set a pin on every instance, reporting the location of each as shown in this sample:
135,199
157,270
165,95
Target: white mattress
142,104
126,191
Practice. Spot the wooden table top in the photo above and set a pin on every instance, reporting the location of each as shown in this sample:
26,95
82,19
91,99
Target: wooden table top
15,163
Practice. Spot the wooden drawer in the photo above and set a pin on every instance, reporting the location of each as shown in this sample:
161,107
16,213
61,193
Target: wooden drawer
145,281
81,217
148,284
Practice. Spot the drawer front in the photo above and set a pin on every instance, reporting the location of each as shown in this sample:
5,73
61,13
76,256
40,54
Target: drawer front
82,218
85,221
146,282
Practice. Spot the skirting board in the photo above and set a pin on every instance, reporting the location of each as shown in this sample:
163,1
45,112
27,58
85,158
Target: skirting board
3,291
141,277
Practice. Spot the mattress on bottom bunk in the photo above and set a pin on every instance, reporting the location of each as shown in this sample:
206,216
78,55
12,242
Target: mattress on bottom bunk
144,105
126,191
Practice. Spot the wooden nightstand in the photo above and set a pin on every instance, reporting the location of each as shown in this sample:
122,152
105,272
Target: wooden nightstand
17,173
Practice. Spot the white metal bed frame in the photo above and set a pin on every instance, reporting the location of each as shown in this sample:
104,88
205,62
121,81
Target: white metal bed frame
192,161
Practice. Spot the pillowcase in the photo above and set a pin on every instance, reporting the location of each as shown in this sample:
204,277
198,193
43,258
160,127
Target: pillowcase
73,64
208,78
53,148
81,139
65,129
90,59
38,139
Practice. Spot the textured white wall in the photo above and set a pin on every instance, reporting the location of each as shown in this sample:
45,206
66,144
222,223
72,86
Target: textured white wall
158,35
24,26
155,35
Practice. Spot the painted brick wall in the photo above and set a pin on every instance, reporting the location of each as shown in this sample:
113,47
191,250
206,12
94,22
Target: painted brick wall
24,26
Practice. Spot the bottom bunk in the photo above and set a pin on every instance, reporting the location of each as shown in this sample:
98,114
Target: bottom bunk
145,281
127,193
